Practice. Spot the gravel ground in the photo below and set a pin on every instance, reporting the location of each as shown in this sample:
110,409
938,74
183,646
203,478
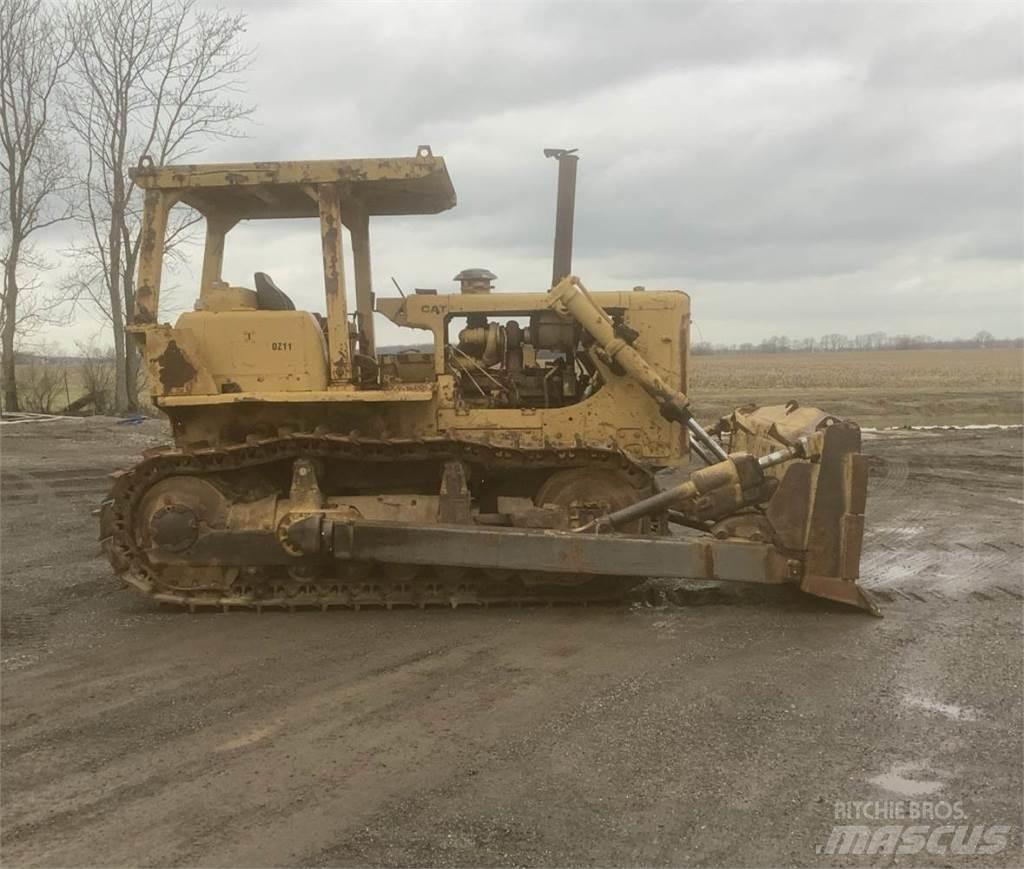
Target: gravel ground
711,735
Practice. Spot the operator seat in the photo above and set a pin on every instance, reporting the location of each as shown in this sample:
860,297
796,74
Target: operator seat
270,297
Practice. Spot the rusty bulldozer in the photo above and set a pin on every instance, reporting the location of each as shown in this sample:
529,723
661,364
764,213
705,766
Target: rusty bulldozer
511,461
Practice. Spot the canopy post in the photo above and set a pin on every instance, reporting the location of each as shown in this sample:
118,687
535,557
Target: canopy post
358,222
217,228
156,208
340,358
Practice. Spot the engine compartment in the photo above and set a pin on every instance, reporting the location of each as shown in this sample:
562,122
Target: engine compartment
508,365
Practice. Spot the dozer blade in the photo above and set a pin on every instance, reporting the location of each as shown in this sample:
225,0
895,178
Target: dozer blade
835,533
818,509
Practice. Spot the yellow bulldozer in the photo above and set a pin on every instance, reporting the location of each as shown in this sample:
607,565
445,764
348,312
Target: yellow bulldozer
510,457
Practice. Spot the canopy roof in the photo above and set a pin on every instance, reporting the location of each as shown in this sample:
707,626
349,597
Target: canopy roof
384,185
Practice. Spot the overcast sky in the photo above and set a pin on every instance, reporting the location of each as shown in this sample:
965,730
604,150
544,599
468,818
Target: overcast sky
797,168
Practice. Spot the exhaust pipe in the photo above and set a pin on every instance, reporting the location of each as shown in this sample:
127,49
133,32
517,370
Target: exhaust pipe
565,214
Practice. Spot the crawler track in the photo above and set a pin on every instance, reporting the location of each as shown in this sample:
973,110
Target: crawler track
352,585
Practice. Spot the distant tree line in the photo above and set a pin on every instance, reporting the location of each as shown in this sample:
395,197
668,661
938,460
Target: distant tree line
834,342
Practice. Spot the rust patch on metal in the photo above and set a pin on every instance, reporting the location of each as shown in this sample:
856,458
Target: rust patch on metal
142,314
330,243
175,369
341,366
709,561
352,173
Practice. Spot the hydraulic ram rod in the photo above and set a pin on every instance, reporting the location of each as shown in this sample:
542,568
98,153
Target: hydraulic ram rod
740,474
704,439
614,342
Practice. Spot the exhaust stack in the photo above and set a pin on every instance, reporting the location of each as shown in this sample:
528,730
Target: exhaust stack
565,214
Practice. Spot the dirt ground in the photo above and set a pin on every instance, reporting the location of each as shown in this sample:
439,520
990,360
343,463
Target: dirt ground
723,734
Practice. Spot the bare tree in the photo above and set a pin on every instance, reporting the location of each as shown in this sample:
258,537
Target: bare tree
34,163
96,374
43,380
151,77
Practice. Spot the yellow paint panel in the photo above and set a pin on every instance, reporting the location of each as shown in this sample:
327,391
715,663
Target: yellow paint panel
260,351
